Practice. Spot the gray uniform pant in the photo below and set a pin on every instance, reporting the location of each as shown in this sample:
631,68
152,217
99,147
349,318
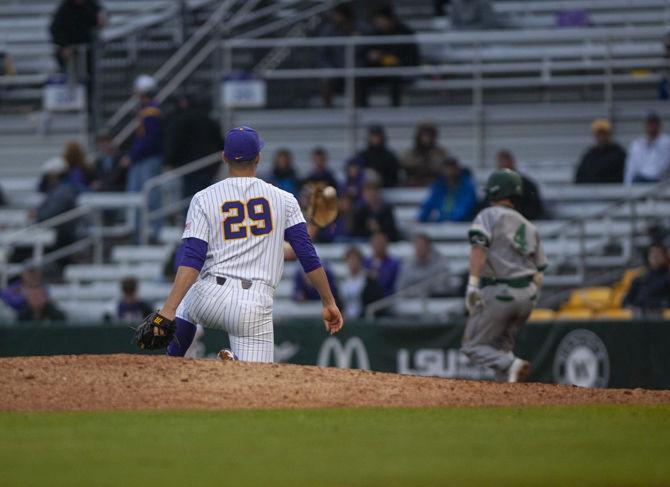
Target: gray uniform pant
491,331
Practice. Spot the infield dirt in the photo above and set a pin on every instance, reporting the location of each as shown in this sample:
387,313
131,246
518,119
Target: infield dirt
141,382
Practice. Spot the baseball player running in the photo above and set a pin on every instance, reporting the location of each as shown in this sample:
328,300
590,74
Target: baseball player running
506,265
232,260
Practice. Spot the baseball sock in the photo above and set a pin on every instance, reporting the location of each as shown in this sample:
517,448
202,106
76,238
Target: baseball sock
182,338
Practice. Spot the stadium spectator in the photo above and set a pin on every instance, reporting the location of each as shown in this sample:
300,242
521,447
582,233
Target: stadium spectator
353,284
145,159
110,175
577,17
130,309
341,22
303,289
6,64
283,174
3,199
79,173
15,295
374,215
60,197
650,293
452,197
604,161
426,263
530,204
38,307
190,135
420,163
74,24
473,14
648,156
378,157
321,173
385,23
381,267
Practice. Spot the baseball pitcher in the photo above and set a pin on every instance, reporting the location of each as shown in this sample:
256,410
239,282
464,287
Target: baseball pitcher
232,258
506,265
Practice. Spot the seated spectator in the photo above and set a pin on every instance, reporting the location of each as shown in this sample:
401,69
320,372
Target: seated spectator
426,263
378,157
39,307
374,215
6,64
110,175
61,196
15,295
341,22
421,162
386,23
381,267
650,293
452,197
473,14
130,309
78,174
321,173
353,284
604,161
530,204
303,289
648,158
283,175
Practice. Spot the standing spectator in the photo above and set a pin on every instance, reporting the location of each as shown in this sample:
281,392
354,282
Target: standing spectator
74,24
15,295
421,162
385,23
452,197
341,22
604,161
130,308
303,290
353,284
648,156
39,307
321,173
374,215
650,293
530,204
191,135
426,263
381,267
110,175
378,157
145,159
283,174
61,196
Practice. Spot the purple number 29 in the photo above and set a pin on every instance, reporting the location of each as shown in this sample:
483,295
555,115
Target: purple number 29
235,212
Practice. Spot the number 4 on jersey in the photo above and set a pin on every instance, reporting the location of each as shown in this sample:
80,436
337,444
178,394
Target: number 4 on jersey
520,239
235,212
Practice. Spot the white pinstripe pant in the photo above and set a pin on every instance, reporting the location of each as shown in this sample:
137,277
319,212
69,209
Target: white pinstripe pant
245,314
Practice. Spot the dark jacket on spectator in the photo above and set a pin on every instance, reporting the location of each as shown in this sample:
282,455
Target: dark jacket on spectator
384,272
148,140
650,291
110,175
325,177
365,219
383,161
602,164
49,313
61,197
530,204
74,24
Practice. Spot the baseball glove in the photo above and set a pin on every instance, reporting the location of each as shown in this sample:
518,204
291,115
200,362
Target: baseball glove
155,332
322,205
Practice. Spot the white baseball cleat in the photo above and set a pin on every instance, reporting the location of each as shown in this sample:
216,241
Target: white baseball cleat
226,355
519,371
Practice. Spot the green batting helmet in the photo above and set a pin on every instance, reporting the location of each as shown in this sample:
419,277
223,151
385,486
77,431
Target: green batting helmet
502,184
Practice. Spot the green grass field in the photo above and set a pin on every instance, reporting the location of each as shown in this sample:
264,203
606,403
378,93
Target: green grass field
521,446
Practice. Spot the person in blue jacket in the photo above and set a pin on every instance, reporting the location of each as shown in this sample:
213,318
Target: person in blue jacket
452,197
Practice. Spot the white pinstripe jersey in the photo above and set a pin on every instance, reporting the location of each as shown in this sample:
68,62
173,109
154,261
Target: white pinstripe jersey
243,221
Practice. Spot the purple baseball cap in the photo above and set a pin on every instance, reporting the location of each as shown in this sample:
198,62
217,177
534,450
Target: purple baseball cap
242,144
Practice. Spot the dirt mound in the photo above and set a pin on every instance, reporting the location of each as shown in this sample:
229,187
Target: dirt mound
107,382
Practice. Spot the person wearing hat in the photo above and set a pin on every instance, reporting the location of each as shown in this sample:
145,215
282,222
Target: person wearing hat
421,162
648,156
604,161
145,159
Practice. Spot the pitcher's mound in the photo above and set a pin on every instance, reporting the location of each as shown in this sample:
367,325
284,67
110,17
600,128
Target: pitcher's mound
108,382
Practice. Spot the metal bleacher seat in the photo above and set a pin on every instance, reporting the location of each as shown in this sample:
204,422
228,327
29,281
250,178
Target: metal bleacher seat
78,273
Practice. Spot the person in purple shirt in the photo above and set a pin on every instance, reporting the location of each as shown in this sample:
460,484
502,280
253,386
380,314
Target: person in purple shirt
15,294
381,266
145,159
303,289
130,308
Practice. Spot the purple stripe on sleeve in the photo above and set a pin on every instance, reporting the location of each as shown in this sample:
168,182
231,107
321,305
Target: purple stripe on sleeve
301,244
193,253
